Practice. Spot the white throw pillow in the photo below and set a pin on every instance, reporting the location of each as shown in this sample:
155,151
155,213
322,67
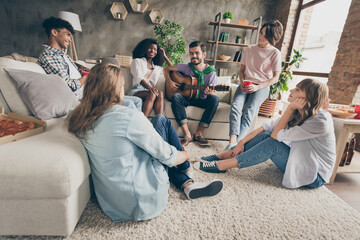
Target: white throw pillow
46,95
8,87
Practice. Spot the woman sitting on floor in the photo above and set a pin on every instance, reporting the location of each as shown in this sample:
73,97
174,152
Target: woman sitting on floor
131,158
301,143
146,70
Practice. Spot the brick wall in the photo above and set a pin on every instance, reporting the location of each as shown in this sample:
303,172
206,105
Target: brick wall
286,13
344,79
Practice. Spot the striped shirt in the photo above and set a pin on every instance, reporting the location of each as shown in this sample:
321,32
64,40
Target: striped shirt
52,60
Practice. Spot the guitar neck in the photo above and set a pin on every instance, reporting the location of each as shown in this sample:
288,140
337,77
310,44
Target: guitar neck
220,88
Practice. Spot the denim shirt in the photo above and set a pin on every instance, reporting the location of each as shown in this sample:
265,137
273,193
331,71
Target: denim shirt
126,156
312,151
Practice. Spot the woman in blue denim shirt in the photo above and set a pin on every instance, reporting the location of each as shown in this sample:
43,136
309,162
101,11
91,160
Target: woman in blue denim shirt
131,158
301,143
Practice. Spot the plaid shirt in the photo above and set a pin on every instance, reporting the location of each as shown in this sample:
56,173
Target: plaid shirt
52,60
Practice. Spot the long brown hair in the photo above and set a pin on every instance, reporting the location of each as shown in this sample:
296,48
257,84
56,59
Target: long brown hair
317,95
103,88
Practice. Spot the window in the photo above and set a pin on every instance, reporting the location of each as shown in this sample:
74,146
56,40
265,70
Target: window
319,27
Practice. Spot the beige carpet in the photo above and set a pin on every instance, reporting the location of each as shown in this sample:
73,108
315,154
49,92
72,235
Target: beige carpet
252,205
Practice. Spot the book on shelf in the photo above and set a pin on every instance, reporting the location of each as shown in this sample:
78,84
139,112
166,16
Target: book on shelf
224,37
222,71
237,57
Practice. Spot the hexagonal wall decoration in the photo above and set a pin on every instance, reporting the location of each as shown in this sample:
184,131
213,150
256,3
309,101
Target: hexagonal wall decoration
139,6
118,11
156,16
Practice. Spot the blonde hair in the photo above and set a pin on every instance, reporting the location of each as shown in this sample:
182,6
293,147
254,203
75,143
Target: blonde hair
317,95
102,89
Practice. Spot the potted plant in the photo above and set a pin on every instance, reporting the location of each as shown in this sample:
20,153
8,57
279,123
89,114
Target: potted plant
138,6
118,15
238,38
157,19
228,16
168,36
269,106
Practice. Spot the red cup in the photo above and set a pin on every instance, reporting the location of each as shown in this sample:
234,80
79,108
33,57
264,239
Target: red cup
84,73
357,110
247,83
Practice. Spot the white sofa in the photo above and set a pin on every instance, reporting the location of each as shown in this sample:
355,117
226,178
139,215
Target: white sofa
44,179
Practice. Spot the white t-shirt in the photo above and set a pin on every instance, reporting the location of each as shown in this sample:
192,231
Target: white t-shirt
260,63
74,74
139,70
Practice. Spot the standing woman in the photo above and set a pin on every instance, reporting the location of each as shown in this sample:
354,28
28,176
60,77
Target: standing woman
146,69
301,143
131,158
260,64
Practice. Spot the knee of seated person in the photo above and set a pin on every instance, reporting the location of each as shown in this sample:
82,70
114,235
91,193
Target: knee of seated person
265,134
152,96
214,99
161,95
160,118
176,97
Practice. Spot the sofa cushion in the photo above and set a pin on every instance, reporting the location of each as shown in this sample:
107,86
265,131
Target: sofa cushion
8,87
51,165
47,95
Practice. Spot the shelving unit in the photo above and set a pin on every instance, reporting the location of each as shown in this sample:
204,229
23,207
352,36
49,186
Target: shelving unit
118,7
216,34
154,13
144,6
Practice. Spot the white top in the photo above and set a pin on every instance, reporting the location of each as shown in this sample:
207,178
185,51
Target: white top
313,149
74,74
261,63
140,72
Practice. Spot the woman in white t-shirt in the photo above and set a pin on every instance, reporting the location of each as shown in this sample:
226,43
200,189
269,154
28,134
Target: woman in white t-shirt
260,65
301,143
146,69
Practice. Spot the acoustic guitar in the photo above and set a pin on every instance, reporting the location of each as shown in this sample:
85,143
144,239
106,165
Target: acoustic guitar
188,86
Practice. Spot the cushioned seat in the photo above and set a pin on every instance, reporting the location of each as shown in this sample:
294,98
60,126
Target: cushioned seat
58,168
44,179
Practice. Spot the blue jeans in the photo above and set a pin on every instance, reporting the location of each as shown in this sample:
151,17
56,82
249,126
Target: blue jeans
176,174
210,104
263,147
240,116
133,102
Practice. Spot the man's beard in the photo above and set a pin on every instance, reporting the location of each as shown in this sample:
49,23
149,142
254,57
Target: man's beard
197,62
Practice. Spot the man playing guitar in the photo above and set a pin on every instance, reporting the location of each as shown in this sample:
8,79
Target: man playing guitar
206,99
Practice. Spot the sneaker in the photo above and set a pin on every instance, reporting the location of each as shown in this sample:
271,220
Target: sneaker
230,145
203,189
210,167
210,158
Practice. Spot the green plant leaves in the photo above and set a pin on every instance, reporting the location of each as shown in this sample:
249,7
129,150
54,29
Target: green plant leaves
168,35
286,74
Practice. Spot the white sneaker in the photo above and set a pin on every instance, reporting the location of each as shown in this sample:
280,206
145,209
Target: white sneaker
203,189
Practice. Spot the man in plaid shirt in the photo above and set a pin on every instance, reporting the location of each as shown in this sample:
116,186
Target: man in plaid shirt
54,60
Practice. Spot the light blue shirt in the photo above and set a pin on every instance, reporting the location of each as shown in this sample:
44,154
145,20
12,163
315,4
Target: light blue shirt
126,156
312,149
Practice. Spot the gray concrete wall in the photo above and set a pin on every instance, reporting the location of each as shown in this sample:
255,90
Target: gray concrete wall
102,35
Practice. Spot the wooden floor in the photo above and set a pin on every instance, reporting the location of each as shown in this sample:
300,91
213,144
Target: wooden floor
347,186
